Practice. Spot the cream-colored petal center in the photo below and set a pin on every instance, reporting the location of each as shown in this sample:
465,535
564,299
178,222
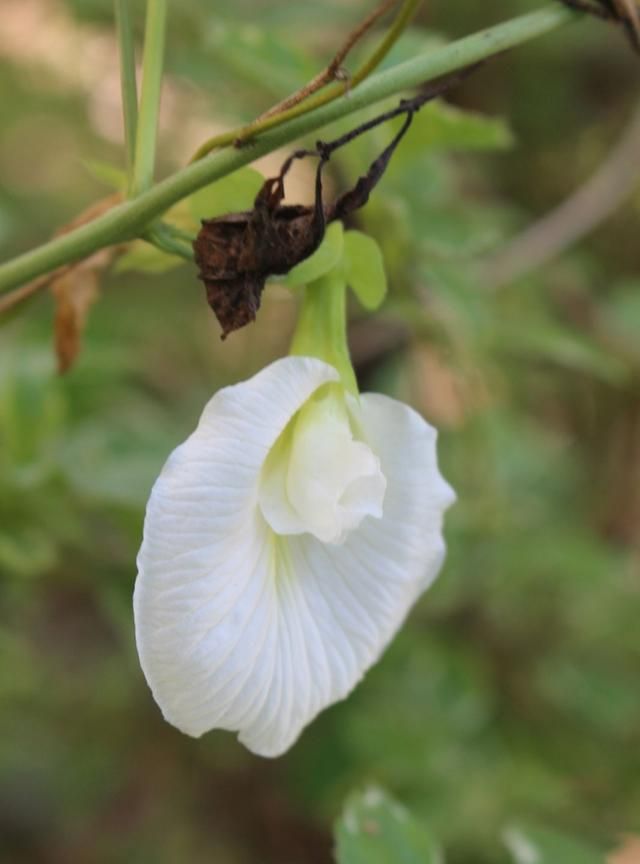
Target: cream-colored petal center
319,479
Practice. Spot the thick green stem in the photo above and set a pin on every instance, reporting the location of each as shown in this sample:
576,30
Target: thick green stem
152,62
321,329
127,81
130,219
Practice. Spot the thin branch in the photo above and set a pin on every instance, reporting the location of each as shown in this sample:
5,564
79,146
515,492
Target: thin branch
131,218
271,120
398,26
630,17
624,12
332,70
615,180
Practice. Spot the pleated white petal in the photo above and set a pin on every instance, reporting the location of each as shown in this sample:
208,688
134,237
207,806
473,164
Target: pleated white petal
240,628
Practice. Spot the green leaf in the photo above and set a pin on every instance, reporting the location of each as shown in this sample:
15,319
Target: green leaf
231,194
544,846
146,258
550,340
454,232
440,126
25,551
261,58
621,315
364,269
327,256
375,829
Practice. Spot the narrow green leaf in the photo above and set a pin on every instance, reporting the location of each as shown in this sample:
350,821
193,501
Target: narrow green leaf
106,173
441,126
621,314
364,268
327,256
232,194
146,258
375,829
264,60
551,340
26,552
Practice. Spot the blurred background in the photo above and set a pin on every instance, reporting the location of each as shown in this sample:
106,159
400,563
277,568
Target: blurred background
511,697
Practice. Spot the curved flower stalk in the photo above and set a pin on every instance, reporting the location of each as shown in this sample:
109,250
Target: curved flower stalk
285,541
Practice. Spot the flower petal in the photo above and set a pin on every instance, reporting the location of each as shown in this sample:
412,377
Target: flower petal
239,628
350,600
201,564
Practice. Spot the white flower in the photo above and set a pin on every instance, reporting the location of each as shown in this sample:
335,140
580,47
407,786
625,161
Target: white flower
284,543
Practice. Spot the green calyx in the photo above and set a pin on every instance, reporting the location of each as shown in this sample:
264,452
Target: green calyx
321,330
343,258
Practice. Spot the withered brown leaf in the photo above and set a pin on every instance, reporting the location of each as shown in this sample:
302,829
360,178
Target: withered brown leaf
236,253
75,291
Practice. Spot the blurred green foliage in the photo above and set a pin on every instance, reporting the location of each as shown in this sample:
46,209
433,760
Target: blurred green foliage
511,695
374,829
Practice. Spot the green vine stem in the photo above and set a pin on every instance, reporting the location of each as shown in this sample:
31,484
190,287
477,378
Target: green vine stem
170,239
127,81
152,62
132,218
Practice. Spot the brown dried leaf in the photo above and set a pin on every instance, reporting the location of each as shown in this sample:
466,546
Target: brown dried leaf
236,253
75,291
